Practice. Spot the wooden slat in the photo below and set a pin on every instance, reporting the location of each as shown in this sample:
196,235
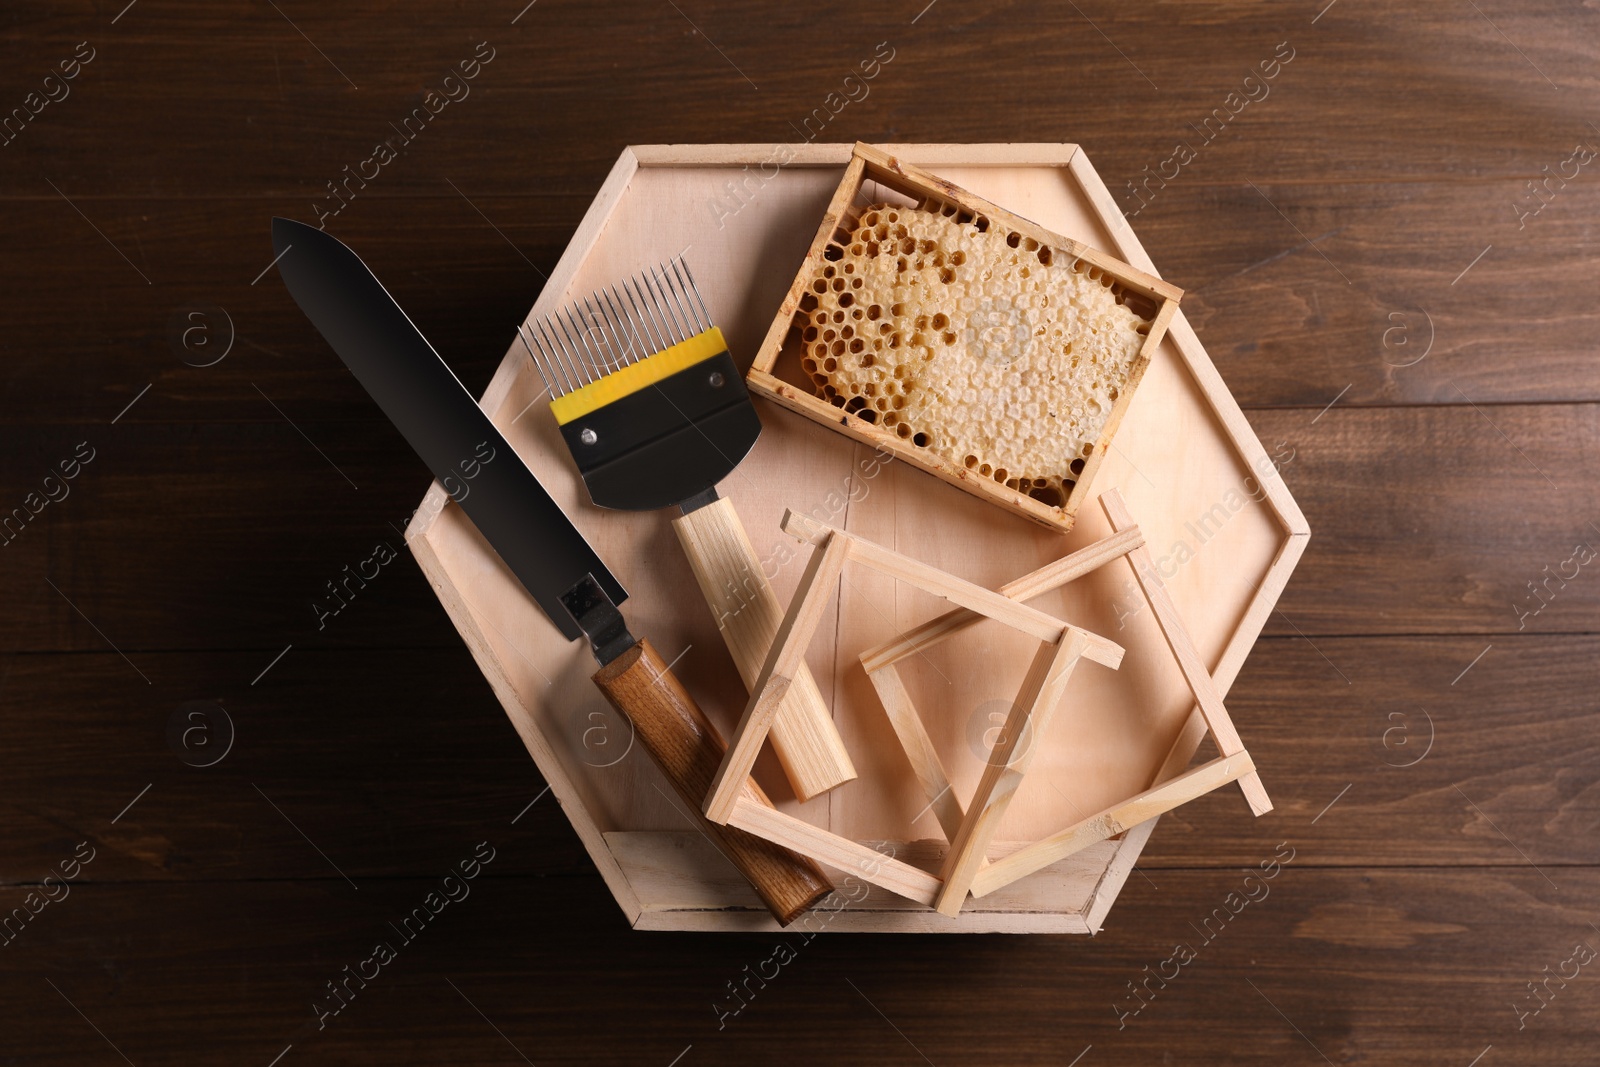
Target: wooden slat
1285,329
1407,754
903,568
817,588
1029,717
1373,577
920,753
679,872
1208,697
838,852
1035,583
251,526
1114,820
375,754
748,613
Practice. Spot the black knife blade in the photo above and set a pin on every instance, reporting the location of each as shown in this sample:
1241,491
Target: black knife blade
424,399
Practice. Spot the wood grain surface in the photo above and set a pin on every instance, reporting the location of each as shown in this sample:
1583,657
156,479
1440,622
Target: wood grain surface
271,788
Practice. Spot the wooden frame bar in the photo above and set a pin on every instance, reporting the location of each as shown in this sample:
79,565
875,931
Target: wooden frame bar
973,598
827,847
748,613
1043,689
1050,576
1113,821
777,674
1194,670
925,763
805,612
880,664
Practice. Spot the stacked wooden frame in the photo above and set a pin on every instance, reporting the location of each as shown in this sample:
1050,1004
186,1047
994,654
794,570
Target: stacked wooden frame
970,828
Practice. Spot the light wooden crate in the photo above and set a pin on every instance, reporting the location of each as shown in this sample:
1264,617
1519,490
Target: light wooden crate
874,176
745,224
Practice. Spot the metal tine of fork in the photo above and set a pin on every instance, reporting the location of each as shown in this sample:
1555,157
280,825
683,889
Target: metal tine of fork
670,299
580,346
599,333
533,357
648,309
568,366
574,336
637,307
690,325
583,329
630,354
548,368
647,301
594,336
621,347
630,306
683,290
624,330
695,288
666,309
559,348
621,341
663,302
559,354
606,342
692,295
549,385
637,316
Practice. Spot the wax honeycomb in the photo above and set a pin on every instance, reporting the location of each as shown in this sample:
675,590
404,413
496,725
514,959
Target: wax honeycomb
984,347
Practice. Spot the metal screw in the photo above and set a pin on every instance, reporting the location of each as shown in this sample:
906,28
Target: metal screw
716,379
588,437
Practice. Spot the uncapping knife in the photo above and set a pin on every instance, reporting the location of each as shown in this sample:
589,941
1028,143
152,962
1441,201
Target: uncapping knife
434,412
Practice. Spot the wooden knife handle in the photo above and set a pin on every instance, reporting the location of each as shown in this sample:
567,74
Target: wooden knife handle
734,584
689,750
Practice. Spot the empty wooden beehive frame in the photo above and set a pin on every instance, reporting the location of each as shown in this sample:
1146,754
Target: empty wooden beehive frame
1062,645
970,830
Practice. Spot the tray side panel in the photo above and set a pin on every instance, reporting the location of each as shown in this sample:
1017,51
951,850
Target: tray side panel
683,885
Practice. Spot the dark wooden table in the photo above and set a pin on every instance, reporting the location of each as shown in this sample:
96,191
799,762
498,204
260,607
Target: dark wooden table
1389,251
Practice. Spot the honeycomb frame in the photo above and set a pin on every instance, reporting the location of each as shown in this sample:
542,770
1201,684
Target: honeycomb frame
976,344
1052,498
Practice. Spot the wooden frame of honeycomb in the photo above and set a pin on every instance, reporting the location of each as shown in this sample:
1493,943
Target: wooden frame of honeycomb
936,326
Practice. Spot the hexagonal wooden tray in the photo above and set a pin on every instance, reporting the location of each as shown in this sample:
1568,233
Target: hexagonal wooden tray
1217,516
